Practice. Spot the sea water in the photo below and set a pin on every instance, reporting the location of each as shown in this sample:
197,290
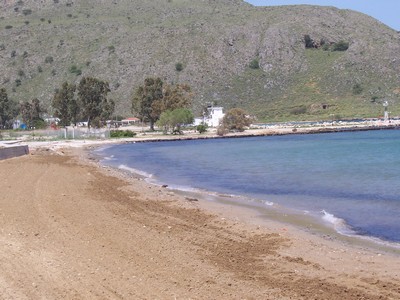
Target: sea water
350,179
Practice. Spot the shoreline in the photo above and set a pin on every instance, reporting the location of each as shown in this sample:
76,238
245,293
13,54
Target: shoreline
262,213
284,215
77,229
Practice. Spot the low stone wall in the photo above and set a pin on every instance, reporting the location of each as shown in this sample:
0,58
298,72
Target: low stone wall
10,152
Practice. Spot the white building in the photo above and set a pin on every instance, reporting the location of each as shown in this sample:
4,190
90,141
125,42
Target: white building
212,118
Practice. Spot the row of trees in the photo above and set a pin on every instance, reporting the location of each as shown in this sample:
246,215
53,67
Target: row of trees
154,102
88,101
30,111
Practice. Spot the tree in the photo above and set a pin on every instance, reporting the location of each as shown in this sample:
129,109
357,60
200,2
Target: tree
144,98
175,119
154,98
65,105
7,109
236,119
31,111
92,98
308,41
174,96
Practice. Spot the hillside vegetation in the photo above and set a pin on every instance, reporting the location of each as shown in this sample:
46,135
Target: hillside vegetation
276,62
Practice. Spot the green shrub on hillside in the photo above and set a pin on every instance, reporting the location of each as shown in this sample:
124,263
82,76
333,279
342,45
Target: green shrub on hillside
254,64
48,59
178,66
75,70
340,46
27,12
357,89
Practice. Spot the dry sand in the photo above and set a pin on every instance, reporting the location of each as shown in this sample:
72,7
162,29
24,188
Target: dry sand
72,230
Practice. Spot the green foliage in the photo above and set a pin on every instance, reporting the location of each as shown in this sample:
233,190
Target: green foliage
357,89
65,105
26,12
201,128
122,133
144,98
308,41
254,64
75,70
178,66
49,59
8,27
40,124
153,98
7,109
21,73
18,82
236,119
326,47
340,46
39,68
31,111
111,49
93,101
299,110
175,119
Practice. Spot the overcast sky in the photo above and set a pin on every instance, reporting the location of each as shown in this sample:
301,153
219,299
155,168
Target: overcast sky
386,11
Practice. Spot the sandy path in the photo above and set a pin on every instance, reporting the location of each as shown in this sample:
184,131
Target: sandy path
69,230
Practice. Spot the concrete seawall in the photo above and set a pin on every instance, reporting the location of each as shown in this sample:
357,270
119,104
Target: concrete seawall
10,152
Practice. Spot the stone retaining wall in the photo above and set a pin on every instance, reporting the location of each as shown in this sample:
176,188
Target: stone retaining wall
10,152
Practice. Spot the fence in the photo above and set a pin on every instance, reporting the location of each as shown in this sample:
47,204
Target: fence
69,133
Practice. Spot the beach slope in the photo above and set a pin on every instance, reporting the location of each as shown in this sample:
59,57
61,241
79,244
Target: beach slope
71,230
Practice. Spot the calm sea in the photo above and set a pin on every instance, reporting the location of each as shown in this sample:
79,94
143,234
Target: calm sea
350,179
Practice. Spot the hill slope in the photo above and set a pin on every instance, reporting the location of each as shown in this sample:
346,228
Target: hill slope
43,43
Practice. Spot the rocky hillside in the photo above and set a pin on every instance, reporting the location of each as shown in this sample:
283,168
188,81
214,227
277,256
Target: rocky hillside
276,62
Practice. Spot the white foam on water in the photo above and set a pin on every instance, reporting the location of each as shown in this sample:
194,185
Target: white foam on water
135,171
109,157
338,224
343,228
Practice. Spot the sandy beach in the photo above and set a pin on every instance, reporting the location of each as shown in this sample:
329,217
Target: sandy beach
71,229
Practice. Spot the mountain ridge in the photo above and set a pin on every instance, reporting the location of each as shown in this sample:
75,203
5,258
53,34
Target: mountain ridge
124,42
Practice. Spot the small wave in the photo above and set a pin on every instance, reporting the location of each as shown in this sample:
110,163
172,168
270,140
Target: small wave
109,157
135,171
343,228
183,188
339,224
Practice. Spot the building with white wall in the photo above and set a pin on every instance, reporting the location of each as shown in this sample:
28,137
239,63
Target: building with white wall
212,118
